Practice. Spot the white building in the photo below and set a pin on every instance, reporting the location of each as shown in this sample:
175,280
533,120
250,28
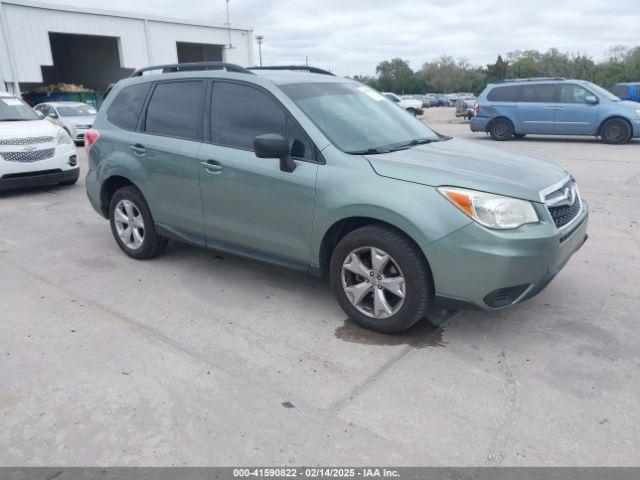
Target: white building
43,44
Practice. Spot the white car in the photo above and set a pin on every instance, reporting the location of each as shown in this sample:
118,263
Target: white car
75,117
33,151
411,105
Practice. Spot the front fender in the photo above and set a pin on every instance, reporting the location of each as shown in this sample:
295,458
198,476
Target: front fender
351,188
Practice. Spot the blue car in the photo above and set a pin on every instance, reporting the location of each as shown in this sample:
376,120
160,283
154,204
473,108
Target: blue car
627,91
555,106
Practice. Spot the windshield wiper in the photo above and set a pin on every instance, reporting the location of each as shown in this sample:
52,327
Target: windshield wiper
414,142
369,151
17,119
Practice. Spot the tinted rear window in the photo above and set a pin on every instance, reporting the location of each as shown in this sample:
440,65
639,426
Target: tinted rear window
509,93
174,110
125,109
542,93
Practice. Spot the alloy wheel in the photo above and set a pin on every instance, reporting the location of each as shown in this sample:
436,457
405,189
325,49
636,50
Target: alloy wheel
373,282
129,224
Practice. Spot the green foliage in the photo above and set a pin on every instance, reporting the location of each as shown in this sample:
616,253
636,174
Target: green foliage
447,74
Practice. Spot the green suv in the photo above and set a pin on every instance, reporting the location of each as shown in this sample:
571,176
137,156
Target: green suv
322,174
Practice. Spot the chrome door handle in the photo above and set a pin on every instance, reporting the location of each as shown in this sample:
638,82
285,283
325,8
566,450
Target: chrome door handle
138,149
211,166
550,107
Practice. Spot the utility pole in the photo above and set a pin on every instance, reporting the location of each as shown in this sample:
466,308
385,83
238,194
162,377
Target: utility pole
259,38
229,46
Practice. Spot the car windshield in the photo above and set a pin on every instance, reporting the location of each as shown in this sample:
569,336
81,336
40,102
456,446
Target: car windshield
75,110
602,92
356,118
15,110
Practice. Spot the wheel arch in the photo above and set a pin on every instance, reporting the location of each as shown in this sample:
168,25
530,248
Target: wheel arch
615,117
110,186
344,226
500,117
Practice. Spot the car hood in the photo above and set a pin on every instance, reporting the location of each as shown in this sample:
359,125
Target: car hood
467,164
33,128
629,103
410,103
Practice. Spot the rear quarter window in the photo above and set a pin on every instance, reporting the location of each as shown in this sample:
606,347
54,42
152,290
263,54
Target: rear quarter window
508,93
125,109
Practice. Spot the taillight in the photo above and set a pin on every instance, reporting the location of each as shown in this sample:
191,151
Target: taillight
91,136
476,108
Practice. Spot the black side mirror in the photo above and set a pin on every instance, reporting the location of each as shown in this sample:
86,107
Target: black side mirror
273,145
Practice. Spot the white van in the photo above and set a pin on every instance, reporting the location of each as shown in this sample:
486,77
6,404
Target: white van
33,151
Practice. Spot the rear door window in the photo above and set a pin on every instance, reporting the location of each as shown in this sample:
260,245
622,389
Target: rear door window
541,93
509,93
240,112
125,109
175,110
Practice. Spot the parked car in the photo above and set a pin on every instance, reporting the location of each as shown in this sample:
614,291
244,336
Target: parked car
555,107
434,100
33,150
465,108
411,105
627,91
443,101
323,175
75,117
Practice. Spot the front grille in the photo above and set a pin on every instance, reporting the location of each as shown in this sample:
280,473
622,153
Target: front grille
564,203
83,126
28,157
562,215
25,141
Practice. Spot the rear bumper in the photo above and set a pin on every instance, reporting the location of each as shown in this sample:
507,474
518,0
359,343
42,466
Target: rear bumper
38,178
479,124
476,268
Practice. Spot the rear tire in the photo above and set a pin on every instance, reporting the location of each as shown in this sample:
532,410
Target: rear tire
387,296
615,132
501,129
128,208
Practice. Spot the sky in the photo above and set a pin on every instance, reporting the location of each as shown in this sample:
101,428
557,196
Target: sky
352,36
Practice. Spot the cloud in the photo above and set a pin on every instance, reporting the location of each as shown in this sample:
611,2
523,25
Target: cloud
353,36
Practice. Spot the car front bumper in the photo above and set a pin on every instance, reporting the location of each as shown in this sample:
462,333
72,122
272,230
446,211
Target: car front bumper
479,268
61,167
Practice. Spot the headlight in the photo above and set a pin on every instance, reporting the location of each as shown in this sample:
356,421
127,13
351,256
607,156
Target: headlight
492,211
63,137
638,112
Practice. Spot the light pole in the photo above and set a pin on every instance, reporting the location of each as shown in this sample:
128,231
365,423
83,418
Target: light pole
259,38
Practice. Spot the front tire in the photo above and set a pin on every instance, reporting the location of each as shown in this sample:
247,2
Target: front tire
501,129
132,225
615,132
381,279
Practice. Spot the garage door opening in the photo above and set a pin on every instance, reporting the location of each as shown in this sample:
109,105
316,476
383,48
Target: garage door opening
198,52
89,60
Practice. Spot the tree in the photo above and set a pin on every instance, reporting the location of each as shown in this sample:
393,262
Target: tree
394,75
497,71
